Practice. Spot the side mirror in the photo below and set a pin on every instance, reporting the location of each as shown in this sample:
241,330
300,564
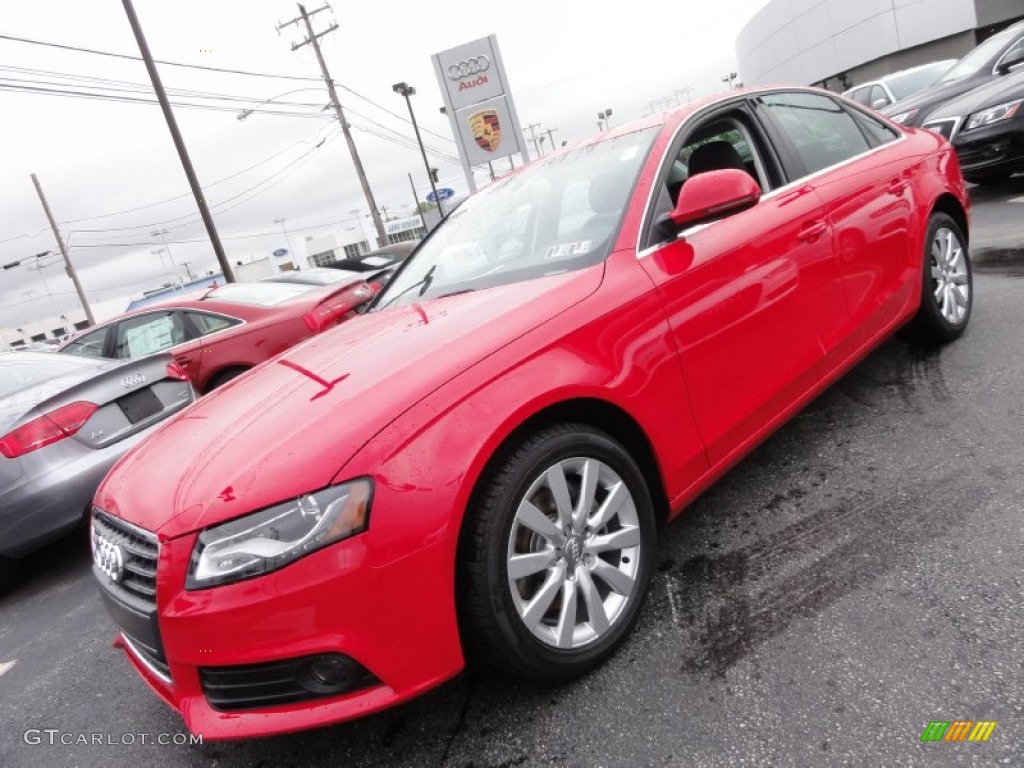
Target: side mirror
714,194
880,103
1013,60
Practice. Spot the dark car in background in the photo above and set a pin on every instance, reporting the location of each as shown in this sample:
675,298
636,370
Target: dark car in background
64,421
377,266
992,59
220,334
986,127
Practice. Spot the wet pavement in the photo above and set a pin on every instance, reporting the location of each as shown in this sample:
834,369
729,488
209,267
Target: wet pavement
858,576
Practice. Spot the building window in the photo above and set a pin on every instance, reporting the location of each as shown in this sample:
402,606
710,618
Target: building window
408,234
355,250
81,325
323,258
39,337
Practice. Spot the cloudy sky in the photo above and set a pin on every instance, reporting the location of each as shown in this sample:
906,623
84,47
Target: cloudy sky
114,181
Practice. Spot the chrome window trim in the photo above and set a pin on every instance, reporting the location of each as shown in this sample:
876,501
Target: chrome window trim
648,210
141,658
1014,44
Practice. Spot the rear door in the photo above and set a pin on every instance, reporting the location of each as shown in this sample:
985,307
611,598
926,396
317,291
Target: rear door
858,166
754,300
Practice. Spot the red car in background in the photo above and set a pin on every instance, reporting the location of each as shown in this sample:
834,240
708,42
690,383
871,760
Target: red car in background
220,334
476,466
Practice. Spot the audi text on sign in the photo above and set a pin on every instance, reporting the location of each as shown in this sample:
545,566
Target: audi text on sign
476,466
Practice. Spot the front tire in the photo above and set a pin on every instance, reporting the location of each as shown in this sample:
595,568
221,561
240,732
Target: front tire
947,285
555,555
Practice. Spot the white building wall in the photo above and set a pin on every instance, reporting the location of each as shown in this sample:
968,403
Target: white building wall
806,41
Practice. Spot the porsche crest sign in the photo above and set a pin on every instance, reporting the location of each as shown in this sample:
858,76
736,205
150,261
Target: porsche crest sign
478,103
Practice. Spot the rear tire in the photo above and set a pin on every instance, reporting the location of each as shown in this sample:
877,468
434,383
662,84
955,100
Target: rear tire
555,555
947,285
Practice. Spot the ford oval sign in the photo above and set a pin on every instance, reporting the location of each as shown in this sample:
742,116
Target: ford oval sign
281,252
444,193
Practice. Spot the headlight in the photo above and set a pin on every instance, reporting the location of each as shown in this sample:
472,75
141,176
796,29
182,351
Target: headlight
274,537
904,117
993,115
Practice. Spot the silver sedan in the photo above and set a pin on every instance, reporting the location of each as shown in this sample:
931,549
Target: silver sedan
64,421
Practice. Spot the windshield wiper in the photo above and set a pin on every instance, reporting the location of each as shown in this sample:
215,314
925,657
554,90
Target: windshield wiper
423,285
456,293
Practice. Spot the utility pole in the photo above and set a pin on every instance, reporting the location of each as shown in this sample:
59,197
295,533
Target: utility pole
179,143
188,271
64,252
531,128
551,139
423,219
314,40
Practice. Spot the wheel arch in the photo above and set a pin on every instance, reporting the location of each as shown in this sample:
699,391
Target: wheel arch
597,413
948,204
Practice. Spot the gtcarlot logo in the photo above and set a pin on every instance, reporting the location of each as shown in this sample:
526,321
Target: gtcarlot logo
51,736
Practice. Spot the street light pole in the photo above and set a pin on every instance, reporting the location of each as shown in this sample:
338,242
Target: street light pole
162,234
407,90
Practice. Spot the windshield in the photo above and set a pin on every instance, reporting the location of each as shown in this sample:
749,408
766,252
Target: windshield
315,277
910,83
980,56
259,294
557,215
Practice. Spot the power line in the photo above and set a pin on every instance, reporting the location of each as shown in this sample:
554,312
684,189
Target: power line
80,49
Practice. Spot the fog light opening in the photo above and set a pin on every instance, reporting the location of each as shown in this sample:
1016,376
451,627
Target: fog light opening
328,673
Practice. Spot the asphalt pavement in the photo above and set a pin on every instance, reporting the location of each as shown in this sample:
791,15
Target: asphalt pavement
858,576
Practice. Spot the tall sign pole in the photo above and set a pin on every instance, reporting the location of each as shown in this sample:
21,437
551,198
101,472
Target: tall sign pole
64,252
314,40
179,143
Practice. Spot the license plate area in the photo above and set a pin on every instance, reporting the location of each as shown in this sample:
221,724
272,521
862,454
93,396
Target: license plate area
140,405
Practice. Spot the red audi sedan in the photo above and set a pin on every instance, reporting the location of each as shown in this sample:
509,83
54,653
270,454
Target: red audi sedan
476,467
222,333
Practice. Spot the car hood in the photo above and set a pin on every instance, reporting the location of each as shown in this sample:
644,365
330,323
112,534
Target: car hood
930,98
998,91
291,424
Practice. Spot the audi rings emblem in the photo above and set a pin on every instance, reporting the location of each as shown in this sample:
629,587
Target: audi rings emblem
133,380
109,558
471,66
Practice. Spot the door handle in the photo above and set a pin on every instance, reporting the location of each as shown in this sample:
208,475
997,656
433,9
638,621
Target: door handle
812,231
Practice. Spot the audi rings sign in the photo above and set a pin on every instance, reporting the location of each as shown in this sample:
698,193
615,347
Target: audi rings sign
478,103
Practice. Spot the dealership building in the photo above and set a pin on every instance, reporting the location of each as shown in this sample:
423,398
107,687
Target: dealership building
838,44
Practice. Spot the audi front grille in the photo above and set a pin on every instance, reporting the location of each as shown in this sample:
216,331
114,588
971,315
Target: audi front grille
137,586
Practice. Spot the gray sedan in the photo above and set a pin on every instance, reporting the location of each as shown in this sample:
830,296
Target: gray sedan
64,421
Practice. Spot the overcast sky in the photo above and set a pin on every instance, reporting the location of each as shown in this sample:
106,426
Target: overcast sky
99,159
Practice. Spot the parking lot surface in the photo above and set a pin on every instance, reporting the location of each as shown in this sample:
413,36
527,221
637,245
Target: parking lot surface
858,576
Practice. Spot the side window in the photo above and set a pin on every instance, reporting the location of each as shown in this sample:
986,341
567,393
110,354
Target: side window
860,95
878,132
148,334
821,132
87,345
723,141
1012,52
205,323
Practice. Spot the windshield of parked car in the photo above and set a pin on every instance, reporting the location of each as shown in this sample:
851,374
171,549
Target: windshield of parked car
315,277
559,214
259,294
979,57
909,83
20,370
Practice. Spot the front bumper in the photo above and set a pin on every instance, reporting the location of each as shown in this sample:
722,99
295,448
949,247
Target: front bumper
991,150
343,599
